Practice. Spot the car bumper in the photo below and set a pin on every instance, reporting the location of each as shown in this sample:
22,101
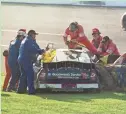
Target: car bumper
77,86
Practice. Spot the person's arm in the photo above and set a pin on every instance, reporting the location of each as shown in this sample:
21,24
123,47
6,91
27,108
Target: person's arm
34,48
100,49
105,53
110,50
18,43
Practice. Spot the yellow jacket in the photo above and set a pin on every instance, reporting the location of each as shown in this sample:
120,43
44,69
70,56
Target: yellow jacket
104,59
48,56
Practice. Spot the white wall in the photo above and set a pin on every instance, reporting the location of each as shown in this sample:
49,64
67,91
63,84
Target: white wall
40,1
71,2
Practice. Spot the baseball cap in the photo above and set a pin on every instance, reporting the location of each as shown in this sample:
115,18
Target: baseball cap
32,32
95,31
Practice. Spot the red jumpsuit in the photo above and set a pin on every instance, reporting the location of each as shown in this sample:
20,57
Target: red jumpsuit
8,74
107,49
80,37
96,42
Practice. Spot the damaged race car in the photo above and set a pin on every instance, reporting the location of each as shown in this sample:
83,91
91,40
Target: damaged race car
118,71
66,70
112,70
77,70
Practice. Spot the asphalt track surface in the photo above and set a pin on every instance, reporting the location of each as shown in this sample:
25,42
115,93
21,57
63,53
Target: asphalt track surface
51,21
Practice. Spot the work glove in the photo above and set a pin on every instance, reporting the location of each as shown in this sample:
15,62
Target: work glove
39,57
5,53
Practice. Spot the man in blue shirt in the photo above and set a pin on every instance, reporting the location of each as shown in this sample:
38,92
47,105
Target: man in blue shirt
12,59
27,50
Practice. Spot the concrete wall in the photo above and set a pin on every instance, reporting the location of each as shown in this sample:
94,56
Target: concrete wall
119,3
40,1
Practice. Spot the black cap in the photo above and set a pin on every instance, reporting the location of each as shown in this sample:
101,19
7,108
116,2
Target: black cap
32,32
105,39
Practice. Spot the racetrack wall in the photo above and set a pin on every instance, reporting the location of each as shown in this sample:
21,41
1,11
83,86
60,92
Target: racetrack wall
106,3
51,22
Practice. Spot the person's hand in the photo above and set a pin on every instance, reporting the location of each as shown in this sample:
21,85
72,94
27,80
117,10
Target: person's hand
5,53
74,40
43,51
39,57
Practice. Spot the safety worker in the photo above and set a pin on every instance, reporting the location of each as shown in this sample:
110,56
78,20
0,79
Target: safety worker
27,49
12,59
107,47
123,21
97,38
76,33
7,69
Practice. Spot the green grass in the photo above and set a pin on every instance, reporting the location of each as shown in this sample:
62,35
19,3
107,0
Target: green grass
103,103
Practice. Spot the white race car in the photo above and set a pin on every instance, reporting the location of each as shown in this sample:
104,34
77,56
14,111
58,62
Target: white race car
67,70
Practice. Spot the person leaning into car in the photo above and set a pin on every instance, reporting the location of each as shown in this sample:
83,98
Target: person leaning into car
107,47
77,36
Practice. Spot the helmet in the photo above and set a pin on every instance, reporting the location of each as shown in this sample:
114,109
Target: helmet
73,26
22,32
95,31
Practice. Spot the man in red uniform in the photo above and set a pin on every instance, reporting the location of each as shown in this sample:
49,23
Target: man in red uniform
76,33
107,47
97,38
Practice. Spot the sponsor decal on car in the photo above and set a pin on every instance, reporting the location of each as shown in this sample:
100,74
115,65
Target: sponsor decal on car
65,75
70,73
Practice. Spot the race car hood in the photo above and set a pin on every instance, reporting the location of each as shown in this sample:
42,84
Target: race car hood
61,55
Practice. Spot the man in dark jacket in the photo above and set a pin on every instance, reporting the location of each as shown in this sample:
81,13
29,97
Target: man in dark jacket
12,59
27,49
